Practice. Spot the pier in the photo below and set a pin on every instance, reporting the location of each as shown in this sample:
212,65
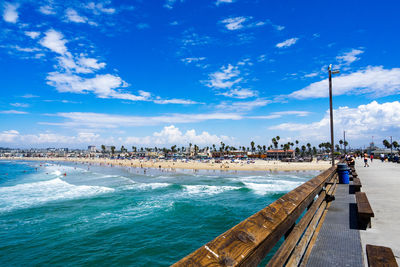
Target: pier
320,223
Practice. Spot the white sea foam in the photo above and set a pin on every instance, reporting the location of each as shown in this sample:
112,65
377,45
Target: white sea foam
207,189
277,187
56,173
145,186
32,194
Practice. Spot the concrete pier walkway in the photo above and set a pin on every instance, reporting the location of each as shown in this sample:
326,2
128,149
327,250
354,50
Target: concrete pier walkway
381,183
338,243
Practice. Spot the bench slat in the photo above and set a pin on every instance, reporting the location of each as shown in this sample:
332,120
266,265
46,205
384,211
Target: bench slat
364,210
380,256
363,204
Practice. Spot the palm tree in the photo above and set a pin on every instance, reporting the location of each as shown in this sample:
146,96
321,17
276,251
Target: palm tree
252,145
345,143
309,148
112,149
387,144
274,142
122,149
303,148
395,144
103,149
337,147
341,143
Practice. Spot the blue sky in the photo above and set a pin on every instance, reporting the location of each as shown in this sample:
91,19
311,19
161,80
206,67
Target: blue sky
157,73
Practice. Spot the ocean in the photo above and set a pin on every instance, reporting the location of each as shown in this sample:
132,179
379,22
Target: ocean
74,214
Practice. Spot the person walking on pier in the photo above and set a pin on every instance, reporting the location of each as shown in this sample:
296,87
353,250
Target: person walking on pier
366,160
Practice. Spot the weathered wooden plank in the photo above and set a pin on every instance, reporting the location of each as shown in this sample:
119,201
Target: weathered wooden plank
363,205
247,243
380,256
356,184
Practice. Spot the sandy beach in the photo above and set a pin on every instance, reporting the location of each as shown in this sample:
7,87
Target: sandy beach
258,165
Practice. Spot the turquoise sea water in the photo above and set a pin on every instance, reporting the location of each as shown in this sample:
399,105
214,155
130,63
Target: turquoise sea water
123,216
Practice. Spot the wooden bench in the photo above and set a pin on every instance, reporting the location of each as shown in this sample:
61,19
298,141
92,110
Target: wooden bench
364,210
380,256
356,184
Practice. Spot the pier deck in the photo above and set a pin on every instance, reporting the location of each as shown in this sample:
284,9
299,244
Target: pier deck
338,242
381,183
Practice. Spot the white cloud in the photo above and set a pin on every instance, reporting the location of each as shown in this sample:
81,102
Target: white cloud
175,101
189,60
26,49
81,64
223,2
172,135
13,112
103,86
29,96
349,57
287,43
32,34
91,63
73,16
279,27
280,114
225,78
170,3
101,121
8,136
10,13
237,23
376,81
47,10
244,105
169,135
312,74
99,8
54,41
19,105
142,26
234,23
360,123
15,137
240,93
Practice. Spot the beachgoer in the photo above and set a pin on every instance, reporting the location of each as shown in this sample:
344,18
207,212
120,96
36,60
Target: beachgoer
371,157
352,162
366,160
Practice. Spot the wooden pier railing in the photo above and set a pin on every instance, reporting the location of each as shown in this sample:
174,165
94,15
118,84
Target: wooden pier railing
247,243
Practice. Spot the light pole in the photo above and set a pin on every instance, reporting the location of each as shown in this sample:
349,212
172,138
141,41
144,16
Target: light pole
330,71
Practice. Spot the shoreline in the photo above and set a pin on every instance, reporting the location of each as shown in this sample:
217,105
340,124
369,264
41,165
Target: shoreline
258,165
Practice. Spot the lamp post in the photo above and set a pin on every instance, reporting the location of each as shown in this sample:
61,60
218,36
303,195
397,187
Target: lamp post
330,71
